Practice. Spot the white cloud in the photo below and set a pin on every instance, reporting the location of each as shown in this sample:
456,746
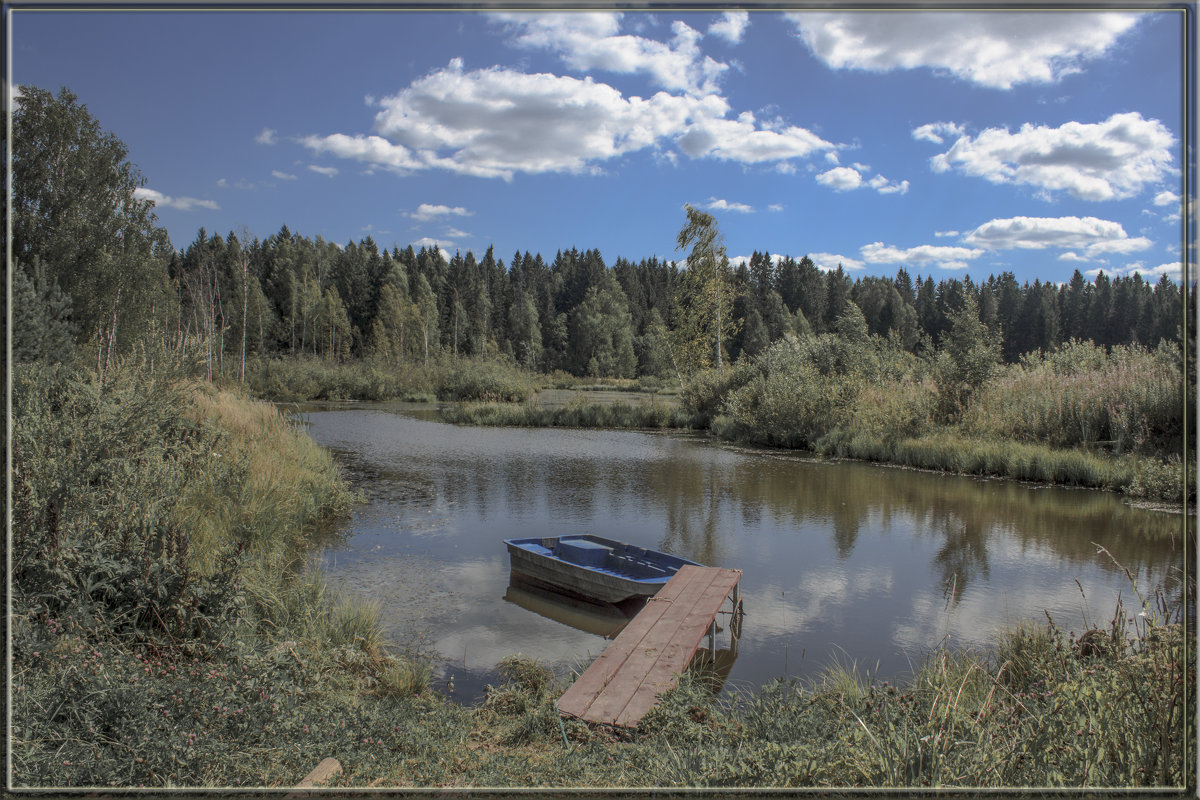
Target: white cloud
497,122
283,176
840,179
1093,236
944,257
328,172
731,26
1166,198
428,211
996,49
430,242
942,234
179,203
588,41
743,139
1172,269
829,261
12,96
775,207
1109,160
1120,246
884,186
1071,255
934,131
845,179
374,150
714,204
266,136
457,234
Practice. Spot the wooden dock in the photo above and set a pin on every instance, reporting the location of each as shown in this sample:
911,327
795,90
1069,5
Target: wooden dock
646,658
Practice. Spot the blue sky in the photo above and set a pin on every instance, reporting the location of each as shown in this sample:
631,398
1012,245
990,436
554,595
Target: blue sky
948,143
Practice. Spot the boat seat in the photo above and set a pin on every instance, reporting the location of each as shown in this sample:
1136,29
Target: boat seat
583,552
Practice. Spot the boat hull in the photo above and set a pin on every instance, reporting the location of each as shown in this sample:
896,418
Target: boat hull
593,567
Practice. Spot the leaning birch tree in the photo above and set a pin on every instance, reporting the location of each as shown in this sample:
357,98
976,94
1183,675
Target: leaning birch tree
703,299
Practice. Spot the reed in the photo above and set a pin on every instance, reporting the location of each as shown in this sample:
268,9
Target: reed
578,413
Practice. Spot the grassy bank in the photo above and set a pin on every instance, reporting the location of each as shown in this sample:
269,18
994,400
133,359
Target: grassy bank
165,629
1080,416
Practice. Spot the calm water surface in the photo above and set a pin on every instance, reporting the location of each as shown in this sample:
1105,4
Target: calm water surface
841,562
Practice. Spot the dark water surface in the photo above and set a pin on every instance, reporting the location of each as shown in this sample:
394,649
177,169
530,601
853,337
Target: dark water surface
842,562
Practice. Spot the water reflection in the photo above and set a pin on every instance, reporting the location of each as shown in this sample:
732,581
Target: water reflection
869,562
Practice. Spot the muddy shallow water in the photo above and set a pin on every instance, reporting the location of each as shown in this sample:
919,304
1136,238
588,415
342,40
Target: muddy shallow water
843,562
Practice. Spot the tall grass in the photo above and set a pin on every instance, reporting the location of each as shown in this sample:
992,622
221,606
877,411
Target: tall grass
1078,416
290,379
166,628
1129,399
577,413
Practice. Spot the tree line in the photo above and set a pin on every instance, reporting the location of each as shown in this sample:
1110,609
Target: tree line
93,267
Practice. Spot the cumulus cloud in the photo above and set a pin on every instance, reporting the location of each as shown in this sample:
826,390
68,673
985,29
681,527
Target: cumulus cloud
944,257
430,242
830,261
743,139
328,172
266,136
1172,269
428,211
161,200
591,41
731,26
995,49
841,179
283,176
1093,236
1108,160
845,179
934,131
884,186
497,122
715,204
1167,198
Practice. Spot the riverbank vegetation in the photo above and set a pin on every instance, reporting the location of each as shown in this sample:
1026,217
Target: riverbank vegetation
166,630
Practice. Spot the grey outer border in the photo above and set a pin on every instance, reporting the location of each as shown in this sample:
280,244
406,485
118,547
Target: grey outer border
1188,8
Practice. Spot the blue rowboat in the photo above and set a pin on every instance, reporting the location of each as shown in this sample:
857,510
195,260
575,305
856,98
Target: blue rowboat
593,567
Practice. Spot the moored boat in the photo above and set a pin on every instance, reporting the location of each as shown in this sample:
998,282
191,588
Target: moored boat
593,567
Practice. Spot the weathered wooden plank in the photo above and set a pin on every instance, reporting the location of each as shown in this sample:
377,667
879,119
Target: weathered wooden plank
323,772
650,650
664,674
580,695
647,656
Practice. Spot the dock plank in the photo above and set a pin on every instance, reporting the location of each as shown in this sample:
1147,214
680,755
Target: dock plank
646,658
593,680
688,637
654,647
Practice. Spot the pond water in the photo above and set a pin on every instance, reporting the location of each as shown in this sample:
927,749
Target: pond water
842,562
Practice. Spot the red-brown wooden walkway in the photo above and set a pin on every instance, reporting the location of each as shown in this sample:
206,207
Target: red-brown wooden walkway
646,658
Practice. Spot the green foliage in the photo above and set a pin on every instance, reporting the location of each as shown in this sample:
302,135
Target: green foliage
578,413
1127,400
74,211
41,325
704,299
467,380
